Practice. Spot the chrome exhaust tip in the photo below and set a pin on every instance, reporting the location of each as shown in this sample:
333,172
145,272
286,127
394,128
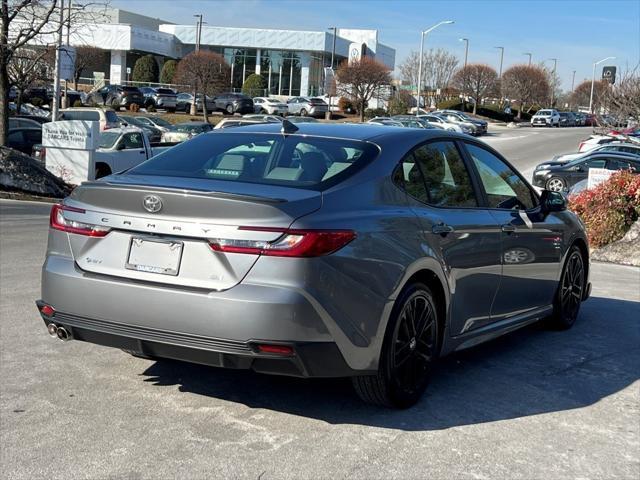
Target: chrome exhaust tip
62,334
52,328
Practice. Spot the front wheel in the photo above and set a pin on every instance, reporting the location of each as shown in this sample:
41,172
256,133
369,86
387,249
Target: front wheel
570,291
229,109
409,352
556,184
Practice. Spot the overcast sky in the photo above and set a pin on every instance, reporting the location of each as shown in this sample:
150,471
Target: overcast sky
577,33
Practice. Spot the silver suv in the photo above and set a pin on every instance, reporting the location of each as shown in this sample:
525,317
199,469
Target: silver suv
313,250
303,106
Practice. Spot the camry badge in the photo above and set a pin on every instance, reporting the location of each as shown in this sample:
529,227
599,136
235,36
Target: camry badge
152,203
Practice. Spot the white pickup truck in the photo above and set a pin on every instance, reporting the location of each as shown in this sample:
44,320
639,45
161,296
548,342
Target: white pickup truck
123,148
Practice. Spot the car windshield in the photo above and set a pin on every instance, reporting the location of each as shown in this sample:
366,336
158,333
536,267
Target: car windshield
108,139
293,161
544,112
131,120
159,121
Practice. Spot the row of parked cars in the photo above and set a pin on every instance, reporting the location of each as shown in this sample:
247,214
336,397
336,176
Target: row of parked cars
449,120
553,118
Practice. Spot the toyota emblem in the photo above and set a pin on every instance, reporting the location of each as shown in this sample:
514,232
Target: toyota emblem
152,203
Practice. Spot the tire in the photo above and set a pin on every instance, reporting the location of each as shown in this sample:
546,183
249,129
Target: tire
556,184
229,109
263,111
566,304
187,108
303,112
409,352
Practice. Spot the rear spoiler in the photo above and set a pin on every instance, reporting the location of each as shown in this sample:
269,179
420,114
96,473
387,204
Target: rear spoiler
192,191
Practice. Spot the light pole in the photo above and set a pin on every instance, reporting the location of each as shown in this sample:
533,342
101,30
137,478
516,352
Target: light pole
500,73
553,80
423,34
198,30
56,78
501,59
593,79
528,53
573,81
466,49
333,54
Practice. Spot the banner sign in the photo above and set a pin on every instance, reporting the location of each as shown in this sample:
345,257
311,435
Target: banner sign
75,134
597,176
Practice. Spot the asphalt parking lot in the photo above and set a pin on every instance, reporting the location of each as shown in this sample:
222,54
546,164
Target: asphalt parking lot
533,404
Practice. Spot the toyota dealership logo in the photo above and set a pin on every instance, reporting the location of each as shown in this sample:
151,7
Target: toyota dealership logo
152,203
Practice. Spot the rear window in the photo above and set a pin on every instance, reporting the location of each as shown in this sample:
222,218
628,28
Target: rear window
293,161
111,116
165,91
83,115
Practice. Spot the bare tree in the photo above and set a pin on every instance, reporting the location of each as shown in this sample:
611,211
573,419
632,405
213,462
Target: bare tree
206,72
623,100
438,67
26,68
526,84
24,22
582,94
476,80
555,91
360,79
87,58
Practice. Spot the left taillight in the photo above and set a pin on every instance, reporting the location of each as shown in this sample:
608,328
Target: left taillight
58,221
292,243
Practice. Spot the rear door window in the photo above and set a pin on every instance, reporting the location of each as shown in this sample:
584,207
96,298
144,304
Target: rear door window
294,160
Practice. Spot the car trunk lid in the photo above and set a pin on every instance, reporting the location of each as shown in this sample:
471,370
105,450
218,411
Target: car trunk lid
172,245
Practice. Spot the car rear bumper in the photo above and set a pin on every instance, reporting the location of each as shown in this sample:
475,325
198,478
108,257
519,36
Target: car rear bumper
307,359
166,102
213,328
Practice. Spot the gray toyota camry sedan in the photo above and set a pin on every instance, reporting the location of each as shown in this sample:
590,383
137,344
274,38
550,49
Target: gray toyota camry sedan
313,250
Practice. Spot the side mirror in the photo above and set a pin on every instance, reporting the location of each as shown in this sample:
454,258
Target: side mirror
120,146
552,201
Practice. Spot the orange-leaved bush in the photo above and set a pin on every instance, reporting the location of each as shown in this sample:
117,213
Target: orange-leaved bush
609,209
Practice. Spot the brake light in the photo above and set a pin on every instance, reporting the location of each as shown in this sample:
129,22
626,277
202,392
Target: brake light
580,146
58,221
275,349
292,243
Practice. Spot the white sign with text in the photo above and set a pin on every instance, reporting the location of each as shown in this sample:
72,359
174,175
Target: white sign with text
79,134
597,176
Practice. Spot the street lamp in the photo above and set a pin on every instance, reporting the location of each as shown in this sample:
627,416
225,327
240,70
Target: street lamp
593,78
466,49
553,80
528,53
423,34
501,58
198,30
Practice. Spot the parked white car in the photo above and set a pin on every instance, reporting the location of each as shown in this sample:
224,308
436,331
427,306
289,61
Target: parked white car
546,118
614,146
270,105
442,123
105,116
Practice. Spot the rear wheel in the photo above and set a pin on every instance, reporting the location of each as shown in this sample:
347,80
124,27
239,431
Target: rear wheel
229,109
556,184
409,352
303,112
102,170
570,291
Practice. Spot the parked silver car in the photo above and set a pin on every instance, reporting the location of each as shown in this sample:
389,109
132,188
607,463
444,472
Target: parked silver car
313,250
303,106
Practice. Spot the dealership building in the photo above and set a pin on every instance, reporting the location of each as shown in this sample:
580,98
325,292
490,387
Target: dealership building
291,61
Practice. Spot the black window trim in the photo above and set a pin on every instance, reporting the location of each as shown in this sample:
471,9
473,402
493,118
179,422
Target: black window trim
476,175
474,185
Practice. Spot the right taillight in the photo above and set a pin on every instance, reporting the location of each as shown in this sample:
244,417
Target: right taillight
58,221
292,243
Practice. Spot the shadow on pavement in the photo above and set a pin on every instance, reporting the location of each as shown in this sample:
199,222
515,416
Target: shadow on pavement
529,372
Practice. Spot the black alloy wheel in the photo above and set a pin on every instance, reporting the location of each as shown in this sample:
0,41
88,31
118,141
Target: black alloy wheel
409,352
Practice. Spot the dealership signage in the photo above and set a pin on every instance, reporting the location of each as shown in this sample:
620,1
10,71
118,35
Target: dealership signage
597,176
75,134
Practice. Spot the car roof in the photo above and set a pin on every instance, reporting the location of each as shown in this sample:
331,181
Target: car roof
630,156
352,131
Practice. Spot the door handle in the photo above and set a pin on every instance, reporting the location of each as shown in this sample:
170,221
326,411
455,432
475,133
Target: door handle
441,229
508,228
